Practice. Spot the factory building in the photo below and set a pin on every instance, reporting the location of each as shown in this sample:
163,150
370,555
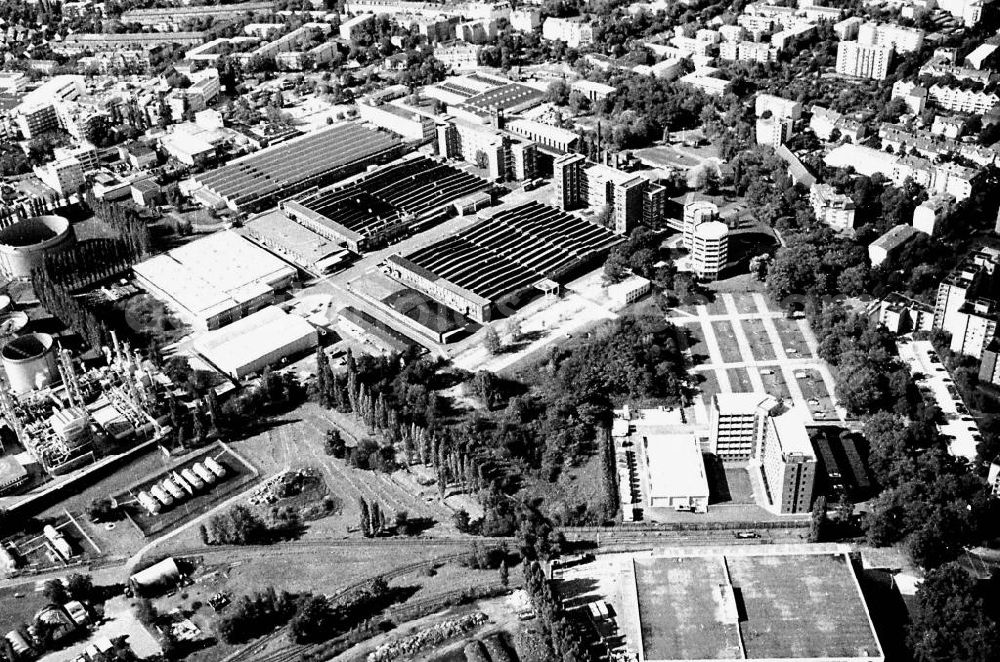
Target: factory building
216,280
257,341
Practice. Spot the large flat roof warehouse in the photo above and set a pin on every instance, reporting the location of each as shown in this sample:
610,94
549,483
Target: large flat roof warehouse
215,279
514,249
254,342
315,159
754,605
676,468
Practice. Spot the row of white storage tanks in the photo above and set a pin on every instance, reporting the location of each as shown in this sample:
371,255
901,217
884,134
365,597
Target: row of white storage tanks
180,485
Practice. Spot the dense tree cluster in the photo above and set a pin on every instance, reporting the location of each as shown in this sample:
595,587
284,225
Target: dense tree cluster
253,615
817,263
953,621
561,635
241,526
870,377
89,262
640,255
125,222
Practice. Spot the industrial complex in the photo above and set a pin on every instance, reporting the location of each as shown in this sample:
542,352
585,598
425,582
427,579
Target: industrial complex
497,261
215,280
259,180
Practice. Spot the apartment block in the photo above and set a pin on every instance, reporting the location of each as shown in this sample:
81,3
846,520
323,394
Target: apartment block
834,209
860,61
968,302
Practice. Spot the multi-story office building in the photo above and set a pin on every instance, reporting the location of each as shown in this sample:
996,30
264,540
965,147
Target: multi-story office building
628,203
968,302
64,176
755,430
860,61
36,119
710,250
654,205
737,424
567,175
787,461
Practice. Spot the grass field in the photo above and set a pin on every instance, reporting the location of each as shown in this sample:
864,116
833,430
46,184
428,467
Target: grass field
709,384
745,303
792,338
726,337
716,306
320,574
814,388
760,341
739,380
775,383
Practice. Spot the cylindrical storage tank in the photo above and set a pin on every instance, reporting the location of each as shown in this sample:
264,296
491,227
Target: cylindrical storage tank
24,244
8,563
180,480
215,467
63,548
30,362
199,470
151,505
13,323
161,495
171,486
50,532
196,483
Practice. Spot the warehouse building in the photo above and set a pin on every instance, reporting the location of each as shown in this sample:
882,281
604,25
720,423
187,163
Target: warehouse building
296,243
320,158
368,329
383,205
257,341
802,603
499,261
216,280
676,475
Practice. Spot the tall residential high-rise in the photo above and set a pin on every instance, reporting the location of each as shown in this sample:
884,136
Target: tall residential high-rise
968,302
710,250
567,174
860,61
628,199
787,461
696,212
654,205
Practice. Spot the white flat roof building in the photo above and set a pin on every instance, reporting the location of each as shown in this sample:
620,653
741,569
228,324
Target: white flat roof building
676,472
257,341
215,280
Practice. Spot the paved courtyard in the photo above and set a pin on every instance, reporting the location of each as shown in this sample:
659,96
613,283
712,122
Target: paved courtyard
741,344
